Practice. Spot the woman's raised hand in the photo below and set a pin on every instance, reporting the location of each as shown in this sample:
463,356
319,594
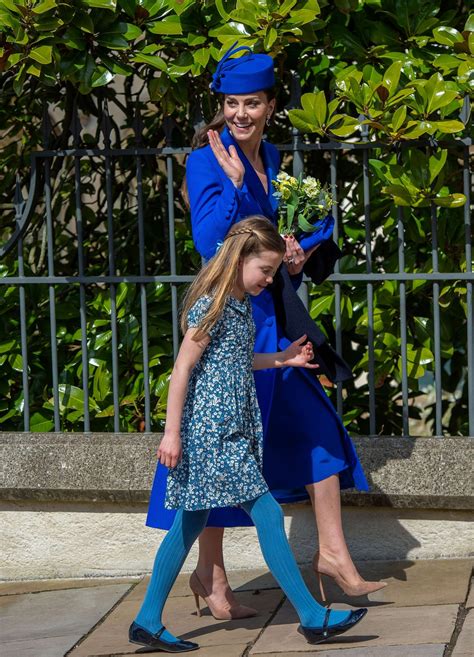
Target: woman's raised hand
229,160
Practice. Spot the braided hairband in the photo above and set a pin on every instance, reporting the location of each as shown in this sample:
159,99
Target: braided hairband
240,231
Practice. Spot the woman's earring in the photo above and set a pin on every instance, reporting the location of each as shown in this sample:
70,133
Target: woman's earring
268,119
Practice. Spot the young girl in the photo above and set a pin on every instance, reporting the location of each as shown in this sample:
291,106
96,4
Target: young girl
213,435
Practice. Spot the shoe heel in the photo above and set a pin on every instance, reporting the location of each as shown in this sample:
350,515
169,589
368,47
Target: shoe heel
198,608
321,588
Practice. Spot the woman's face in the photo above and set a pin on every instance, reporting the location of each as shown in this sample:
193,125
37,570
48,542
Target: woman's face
245,115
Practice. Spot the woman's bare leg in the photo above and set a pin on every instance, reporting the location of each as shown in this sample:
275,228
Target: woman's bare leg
326,500
211,572
334,558
210,566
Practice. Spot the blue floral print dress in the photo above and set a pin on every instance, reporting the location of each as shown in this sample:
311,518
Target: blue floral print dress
221,427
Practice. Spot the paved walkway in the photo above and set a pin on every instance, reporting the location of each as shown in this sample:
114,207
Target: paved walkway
426,611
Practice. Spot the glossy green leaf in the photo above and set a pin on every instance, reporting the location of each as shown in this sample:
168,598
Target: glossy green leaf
16,362
314,107
436,163
102,4
449,126
201,56
132,32
7,346
270,37
447,36
417,360
41,422
42,54
399,117
73,397
450,201
222,11
171,25
113,40
392,76
101,77
44,6
74,38
84,22
152,60
299,118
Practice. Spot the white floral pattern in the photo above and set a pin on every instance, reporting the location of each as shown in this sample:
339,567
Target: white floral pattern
221,427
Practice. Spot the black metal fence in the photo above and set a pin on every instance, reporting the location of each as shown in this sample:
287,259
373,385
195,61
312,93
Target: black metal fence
40,188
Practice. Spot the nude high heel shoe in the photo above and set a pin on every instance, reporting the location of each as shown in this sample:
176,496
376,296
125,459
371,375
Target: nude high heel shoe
228,612
322,566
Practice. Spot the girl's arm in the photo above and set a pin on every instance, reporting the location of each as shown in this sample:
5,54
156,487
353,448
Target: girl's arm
169,451
295,355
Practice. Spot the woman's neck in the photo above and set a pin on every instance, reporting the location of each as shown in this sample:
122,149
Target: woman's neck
251,150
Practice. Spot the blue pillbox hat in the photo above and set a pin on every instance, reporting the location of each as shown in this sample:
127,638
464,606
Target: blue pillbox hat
244,75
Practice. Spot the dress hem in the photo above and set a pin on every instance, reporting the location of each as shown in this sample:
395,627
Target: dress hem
233,504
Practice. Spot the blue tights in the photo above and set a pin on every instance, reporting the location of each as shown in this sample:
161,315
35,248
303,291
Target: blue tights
267,516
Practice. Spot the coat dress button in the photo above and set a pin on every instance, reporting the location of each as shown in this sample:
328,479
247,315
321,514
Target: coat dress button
269,321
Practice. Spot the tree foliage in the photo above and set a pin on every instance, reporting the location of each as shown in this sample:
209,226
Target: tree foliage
394,73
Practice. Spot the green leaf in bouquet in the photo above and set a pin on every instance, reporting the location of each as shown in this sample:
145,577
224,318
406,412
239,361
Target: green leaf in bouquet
290,213
305,225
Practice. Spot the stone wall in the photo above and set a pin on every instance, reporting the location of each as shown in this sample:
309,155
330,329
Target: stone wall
74,505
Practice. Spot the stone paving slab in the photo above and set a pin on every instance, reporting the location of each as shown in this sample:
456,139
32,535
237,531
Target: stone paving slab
56,646
465,643
111,637
51,623
383,626
41,585
410,583
426,650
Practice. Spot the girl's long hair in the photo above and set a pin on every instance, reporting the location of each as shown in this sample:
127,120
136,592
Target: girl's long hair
218,277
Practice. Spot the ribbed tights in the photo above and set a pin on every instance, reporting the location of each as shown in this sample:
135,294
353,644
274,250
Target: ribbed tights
268,519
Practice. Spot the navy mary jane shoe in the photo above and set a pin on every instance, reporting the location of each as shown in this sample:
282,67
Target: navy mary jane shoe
321,634
142,637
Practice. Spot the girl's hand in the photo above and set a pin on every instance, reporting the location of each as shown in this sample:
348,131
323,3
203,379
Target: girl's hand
170,450
298,355
295,257
229,160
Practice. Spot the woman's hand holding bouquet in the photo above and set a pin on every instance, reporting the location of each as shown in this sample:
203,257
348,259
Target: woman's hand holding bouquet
304,210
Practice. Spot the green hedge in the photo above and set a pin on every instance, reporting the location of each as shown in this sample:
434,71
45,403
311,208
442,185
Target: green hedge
395,72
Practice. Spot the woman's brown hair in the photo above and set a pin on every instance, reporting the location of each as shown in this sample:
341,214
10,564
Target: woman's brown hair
217,278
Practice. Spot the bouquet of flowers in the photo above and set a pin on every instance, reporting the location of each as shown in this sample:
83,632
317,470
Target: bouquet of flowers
304,204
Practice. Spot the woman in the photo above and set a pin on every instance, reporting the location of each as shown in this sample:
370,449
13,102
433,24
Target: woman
307,451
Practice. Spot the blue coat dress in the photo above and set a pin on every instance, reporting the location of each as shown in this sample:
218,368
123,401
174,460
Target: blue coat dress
304,439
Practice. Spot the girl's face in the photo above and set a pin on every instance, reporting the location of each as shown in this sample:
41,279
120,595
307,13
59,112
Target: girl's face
256,272
245,114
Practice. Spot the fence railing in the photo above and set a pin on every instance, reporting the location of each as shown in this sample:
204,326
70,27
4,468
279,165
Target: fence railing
40,190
